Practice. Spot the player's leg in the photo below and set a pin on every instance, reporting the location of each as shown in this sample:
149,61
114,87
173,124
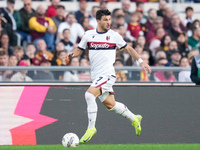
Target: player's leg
122,110
90,97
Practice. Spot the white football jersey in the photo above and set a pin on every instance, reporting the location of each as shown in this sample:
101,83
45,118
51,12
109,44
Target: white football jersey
102,50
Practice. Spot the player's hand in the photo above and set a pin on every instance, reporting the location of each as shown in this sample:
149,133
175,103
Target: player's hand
70,55
145,66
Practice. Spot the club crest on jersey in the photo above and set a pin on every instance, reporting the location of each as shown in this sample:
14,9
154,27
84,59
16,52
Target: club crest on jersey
107,38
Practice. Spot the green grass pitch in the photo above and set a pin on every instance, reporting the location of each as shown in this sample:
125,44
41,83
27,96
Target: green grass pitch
106,147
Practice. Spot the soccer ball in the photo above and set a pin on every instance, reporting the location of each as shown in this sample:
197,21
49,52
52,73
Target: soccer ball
70,140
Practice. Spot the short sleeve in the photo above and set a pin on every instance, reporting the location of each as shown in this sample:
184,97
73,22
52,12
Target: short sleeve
83,43
120,41
62,26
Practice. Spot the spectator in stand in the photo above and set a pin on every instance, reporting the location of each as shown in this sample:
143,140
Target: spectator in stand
164,45
69,46
115,16
51,10
189,18
173,45
134,27
85,23
195,70
168,13
76,29
3,62
82,12
44,75
25,14
4,57
151,16
184,76
183,46
42,53
120,74
59,47
60,61
8,23
122,31
21,76
175,58
194,40
93,21
144,75
19,53
4,43
126,7
42,28
103,4
159,55
84,76
9,73
162,7
166,76
155,41
73,75
30,50
7,13
139,49
7,28
142,41
191,54
157,23
140,9
12,61
176,27
119,21
194,24
60,15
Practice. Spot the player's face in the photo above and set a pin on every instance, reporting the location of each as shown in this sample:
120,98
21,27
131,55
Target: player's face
105,23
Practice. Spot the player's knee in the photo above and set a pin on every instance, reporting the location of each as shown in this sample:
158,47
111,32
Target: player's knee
89,96
119,108
109,106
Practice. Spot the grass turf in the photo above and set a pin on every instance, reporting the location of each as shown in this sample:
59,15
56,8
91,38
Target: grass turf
106,147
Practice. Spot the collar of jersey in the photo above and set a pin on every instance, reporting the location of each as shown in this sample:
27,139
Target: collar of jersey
101,32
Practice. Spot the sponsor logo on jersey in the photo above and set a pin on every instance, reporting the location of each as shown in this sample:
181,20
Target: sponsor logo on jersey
101,45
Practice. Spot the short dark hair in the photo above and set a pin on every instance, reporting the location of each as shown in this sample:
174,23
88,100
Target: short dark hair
30,43
101,13
70,13
65,30
138,3
60,6
188,8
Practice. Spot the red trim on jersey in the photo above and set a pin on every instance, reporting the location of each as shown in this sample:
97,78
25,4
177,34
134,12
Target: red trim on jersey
100,90
101,84
111,92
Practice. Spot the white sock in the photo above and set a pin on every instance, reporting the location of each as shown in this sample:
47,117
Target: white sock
122,110
91,109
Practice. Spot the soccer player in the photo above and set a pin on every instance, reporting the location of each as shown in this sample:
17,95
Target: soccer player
102,43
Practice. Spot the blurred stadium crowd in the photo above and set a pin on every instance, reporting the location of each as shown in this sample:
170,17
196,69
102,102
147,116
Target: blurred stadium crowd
43,37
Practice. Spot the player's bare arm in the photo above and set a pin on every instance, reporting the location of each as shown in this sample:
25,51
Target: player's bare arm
76,52
136,56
